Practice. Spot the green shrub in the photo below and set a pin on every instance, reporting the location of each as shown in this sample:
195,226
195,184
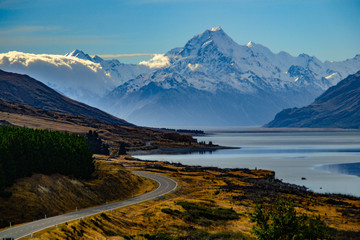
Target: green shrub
171,211
198,211
203,235
281,222
197,234
96,145
201,214
158,236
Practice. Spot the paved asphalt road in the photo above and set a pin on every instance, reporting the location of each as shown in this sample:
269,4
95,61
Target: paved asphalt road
166,185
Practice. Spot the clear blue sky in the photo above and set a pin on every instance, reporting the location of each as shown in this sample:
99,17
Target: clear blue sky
327,29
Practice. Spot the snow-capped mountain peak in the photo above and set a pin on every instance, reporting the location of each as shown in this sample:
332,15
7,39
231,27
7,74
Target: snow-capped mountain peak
117,71
216,29
213,80
250,44
74,53
80,54
214,37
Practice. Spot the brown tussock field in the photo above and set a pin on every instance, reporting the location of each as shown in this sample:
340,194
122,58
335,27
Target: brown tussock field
35,196
211,189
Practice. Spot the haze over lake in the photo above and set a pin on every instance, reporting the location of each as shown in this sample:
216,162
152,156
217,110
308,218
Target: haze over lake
323,161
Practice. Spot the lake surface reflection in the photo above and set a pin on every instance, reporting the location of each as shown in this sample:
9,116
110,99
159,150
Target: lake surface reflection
328,161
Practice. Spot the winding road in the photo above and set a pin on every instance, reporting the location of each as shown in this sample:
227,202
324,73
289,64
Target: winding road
166,185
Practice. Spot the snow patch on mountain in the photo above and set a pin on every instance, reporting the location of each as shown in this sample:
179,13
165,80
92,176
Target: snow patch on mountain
193,67
240,84
331,76
216,29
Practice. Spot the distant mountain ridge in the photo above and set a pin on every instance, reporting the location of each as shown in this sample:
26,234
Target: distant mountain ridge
338,107
23,89
76,75
117,70
210,81
214,81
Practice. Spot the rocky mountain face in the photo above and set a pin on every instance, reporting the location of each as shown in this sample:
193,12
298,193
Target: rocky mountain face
22,89
338,107
213,81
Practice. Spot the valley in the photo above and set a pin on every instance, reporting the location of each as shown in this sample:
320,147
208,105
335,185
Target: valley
207,188
179,120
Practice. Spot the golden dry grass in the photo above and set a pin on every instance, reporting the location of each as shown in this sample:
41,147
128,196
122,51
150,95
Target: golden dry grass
35,196
236,189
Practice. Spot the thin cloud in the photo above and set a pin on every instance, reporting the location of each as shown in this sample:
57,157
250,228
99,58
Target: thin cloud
28,29
158,61
59,72
129,55
12,4
15,41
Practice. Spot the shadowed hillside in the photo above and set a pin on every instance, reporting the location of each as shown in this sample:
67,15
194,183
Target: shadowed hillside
135,138
338,107
23,89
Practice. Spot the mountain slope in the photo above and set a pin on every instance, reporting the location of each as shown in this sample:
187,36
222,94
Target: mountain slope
76,75
338,107
117,71
214,81
26,90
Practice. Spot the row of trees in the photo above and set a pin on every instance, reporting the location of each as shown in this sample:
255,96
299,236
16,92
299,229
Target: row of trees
25,151
96,145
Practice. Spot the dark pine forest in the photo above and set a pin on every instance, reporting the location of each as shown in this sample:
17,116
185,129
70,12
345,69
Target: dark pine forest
25,151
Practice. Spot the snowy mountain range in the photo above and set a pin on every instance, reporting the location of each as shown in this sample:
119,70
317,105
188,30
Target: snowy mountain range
76,75
214,81
118,71
337,107
211,81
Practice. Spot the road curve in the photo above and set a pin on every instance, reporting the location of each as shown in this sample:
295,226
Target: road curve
166,185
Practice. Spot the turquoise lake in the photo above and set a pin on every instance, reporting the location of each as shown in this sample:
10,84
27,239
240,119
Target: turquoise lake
322,161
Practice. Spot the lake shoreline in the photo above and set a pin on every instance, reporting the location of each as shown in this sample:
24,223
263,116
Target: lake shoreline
352,169
293,156
180,150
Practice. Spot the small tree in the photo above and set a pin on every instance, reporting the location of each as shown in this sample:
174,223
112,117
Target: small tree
96,145
280,222
122,149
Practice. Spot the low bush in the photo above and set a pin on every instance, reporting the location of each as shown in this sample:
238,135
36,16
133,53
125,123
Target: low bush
202,214
281,222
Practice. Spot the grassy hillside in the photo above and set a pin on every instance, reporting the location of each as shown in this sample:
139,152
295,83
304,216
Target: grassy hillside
35,196
23,89
210,203
135,138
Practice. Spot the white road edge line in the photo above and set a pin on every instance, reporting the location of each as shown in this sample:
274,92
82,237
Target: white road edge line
136,172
